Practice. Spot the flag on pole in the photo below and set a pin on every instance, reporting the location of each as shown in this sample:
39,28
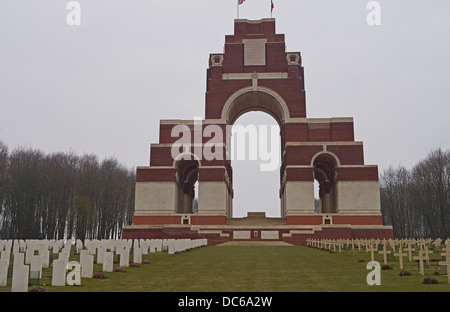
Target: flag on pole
239,3
271,6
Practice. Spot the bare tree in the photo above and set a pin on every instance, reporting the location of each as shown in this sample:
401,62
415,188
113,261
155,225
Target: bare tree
431,193
62,195
23,194
417,202
3,181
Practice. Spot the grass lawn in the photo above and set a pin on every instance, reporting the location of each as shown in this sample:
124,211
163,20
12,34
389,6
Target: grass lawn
254,269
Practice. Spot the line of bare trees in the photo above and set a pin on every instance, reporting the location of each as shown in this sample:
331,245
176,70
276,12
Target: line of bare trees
63,195
416,202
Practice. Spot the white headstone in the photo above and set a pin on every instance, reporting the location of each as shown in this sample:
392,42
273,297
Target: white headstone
45,254
108,261
59,272
87,266
124,257
91,246
101,254
170,246
152,246
68,245
19,258
3,272
55,247
79,245
16,246
28,254
84,252
159,244
137,255
64,256
22,245
5,256
20,278
144,243
36,265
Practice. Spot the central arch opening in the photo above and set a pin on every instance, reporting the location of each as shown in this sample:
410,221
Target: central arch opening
256,177
259,113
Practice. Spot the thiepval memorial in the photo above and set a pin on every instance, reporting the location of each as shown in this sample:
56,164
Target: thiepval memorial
256,73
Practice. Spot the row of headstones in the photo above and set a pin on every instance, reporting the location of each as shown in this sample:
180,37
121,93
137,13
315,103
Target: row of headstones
104,250
27,264
399,248
140,246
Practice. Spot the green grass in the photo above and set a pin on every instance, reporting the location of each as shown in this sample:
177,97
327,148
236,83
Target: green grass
255,269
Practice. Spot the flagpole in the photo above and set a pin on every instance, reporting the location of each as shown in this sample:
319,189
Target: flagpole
271,8
237,9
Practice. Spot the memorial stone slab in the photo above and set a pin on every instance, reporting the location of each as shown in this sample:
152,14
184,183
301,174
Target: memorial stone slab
59,272
3,272
108,261
20,278
87,265
36,265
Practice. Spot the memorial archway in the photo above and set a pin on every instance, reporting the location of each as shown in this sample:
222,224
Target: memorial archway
262,100
256,73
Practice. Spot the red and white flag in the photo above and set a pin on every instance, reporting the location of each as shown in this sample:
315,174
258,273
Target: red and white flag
240,1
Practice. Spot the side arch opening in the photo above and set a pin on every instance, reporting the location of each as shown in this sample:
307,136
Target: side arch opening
325,175
187,177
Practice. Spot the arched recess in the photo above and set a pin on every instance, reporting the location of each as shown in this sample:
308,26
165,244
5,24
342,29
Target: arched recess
261,99
187,175
325,173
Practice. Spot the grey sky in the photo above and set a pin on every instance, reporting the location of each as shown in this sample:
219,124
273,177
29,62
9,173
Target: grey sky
102,87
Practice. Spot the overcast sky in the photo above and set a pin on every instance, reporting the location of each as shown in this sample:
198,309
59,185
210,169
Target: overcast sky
103,86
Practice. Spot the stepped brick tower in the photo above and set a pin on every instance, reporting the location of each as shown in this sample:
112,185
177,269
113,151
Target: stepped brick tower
255,72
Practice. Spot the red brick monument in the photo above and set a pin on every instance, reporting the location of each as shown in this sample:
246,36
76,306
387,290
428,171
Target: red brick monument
256,73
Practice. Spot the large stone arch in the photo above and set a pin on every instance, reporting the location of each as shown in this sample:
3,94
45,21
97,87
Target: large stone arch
248,99
261,99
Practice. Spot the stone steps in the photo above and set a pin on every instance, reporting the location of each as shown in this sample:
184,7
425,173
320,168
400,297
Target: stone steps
256,221
255,243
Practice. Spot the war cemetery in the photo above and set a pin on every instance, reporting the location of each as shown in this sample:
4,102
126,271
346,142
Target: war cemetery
173,264
170,226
